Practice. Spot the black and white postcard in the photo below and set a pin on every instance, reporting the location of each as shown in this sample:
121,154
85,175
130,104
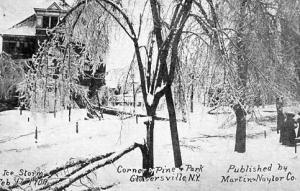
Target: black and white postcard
149,95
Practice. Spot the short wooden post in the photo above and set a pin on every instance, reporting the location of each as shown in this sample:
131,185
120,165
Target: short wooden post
265,133
137,119
20,110
76,127
69,113
28,119
36,134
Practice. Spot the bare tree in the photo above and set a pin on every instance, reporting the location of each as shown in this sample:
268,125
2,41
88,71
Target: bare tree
86,25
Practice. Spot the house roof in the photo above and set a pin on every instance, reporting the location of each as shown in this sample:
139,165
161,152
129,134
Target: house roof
25,27
55,7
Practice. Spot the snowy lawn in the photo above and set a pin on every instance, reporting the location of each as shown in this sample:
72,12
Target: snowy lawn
207,140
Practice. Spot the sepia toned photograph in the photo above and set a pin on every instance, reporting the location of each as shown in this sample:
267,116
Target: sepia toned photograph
142,95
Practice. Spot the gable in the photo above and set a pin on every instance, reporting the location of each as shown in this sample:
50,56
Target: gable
54,6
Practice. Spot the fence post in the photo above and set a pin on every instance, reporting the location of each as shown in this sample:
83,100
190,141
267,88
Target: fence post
76,127
36,134
69,107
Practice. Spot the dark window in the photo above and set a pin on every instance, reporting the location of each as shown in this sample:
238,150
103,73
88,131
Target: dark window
11,47
45,22
54,21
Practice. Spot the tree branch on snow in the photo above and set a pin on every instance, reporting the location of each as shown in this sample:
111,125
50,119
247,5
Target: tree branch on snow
92,167
103,187
69,165
84,167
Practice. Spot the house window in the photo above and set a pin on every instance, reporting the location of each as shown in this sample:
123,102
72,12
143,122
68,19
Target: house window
49,22
10,48
46,22
39,21
54,21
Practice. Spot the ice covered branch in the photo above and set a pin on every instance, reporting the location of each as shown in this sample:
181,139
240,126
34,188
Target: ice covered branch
76,170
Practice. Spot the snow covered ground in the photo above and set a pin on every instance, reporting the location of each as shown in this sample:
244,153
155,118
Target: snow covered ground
207,140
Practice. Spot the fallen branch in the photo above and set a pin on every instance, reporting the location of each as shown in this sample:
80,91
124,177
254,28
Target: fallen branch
213,109
83,102
91,108
217,112
83,168
58,169
83,172
204,136
113,111
102,188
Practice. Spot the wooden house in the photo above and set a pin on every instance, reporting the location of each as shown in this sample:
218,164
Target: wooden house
21,40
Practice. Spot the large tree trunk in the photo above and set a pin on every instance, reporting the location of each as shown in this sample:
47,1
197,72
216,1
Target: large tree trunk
148,152
173,127
148,160
240,138
242,73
